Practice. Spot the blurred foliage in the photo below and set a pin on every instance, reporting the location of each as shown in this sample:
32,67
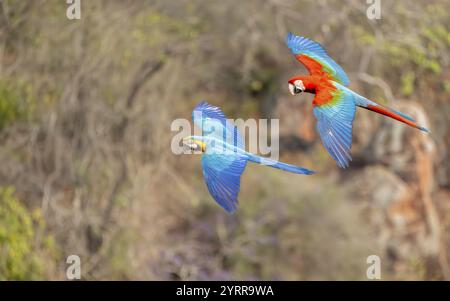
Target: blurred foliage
417,48
154,28
16,101
25,249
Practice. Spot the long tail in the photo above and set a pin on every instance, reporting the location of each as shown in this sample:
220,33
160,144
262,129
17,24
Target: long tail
373,106
279,165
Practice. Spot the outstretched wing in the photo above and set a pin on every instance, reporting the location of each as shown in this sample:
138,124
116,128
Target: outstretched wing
315,58
222,170
222,173
213,123
334,123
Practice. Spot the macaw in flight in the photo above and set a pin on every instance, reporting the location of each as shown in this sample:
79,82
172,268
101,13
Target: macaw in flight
334,105
223,155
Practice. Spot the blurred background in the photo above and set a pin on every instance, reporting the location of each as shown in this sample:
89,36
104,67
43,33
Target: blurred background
86,167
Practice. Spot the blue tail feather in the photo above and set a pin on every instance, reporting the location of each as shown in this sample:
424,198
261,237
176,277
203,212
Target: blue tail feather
403,115
280,165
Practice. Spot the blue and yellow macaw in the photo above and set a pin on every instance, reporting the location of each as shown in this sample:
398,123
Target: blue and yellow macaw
223,155
334,104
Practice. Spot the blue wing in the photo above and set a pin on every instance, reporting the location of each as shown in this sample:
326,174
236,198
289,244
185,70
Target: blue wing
213,123
222,173
315,58
334,124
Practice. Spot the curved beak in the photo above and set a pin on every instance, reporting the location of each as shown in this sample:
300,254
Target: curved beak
294,89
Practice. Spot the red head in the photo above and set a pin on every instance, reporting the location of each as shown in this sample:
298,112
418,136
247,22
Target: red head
296,86
301,84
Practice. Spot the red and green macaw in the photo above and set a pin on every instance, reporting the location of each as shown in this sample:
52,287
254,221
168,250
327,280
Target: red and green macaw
334,103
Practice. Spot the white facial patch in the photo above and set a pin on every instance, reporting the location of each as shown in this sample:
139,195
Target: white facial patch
297,87
299,84
190,145
291,89
194,146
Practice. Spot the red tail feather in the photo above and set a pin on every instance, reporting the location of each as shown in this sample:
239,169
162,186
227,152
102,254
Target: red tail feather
387,112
